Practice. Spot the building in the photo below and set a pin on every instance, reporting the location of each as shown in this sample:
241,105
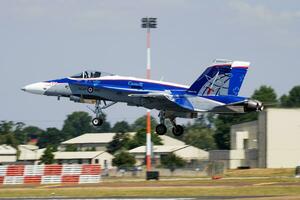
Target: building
99,141
89,141
187,152
169,141
85,157
30,154
8,154
273,141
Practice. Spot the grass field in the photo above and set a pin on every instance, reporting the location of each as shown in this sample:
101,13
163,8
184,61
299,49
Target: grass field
236,183
260,173
170,188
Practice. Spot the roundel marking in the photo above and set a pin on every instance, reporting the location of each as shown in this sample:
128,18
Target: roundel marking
90,90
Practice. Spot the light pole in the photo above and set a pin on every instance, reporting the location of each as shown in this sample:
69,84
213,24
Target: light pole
148,23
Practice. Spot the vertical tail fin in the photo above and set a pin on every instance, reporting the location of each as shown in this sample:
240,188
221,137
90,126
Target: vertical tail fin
222,78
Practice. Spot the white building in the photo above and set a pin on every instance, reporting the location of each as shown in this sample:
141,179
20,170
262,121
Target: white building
85,157
30,154
88,141
273,141
8,154
99,141
187,152
169,141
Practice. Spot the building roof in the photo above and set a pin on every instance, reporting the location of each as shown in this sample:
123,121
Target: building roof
6,149
158,149
169,141
28,146
187,152
104,138
92,138
65,155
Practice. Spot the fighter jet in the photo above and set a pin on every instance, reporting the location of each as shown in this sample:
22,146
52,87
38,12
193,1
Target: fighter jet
215,91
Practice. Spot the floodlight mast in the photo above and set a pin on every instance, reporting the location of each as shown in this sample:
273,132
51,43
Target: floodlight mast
148,23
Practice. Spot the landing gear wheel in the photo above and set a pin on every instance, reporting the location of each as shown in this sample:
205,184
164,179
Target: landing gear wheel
97,121
177,130
161,129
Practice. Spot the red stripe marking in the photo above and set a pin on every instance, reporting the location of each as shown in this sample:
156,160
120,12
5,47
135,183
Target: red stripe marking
148,161
91,170
32,179
15,170
241,67
70,179
52,170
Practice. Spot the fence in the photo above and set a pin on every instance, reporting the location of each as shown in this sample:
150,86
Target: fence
199,169
49,174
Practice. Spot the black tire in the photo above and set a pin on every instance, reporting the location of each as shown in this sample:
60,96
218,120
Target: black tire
161,129
178,130
97,121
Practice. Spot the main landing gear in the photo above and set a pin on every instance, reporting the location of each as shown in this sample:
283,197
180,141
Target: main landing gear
161,128
98,120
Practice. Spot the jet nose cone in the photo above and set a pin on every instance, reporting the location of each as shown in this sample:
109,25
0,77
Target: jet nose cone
36,88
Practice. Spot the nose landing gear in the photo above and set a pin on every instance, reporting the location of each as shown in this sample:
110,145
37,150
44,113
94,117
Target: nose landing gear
98,120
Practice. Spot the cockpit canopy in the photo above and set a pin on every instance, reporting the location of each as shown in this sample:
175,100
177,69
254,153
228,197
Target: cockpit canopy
91,74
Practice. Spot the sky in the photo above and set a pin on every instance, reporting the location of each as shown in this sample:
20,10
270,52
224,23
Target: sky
43,40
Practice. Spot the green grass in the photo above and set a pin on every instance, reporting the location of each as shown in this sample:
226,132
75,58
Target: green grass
151,192
287,172
168,188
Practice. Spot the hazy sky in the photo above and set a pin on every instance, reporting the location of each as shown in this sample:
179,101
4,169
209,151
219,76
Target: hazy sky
42,40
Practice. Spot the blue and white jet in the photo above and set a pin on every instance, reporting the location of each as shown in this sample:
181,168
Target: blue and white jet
215,91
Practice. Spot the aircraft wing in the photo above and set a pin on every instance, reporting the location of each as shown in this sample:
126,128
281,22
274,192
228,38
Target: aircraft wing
166,101
161,100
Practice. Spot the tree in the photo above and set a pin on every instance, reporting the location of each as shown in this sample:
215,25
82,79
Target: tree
172,162
123,160
52,136
223,123
121,127
48,156
76,124
199,136
139,139
28,133
7,133
293,99
140,123
120,142
265,94
6,127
